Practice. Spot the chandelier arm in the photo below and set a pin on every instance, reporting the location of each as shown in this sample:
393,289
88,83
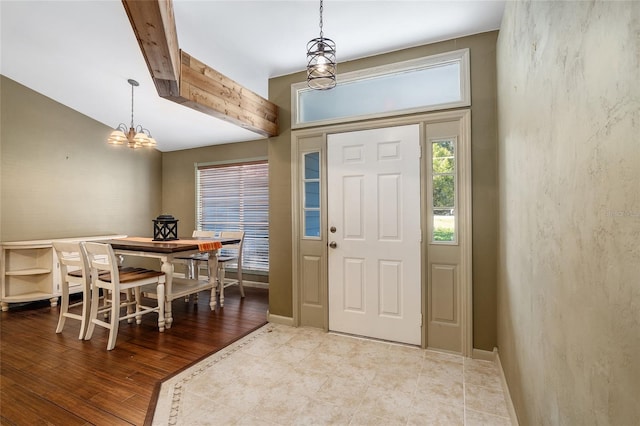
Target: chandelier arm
140,129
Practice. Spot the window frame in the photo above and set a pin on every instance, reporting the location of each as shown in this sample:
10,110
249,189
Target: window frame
461,56
198,210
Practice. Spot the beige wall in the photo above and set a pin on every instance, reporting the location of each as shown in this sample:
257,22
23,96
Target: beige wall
569,162
484,164
59,177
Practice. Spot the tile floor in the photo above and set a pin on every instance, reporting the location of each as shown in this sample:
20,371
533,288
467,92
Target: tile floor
281,375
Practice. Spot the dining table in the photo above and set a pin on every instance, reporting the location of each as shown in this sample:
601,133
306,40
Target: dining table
167,251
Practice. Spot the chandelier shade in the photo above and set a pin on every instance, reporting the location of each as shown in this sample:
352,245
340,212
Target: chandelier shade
133,136
321,61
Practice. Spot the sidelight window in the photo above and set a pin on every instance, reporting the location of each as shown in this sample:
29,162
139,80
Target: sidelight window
311,194
443,187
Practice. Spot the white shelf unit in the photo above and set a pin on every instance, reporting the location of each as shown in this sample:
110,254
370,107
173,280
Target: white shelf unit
29,271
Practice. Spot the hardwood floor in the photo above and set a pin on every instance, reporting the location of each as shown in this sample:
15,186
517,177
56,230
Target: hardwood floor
49,378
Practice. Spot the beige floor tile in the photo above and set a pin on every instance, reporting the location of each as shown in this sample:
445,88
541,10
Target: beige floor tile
302,381
207,413
287,355
482,373
471,364
394,379
235,396
476,418
444,391
322,413
436,414
280,407
339,345
487,400
367,419
262,348
250,420
390,405
442,370
443,356
320,361
305,342
341,392
304,376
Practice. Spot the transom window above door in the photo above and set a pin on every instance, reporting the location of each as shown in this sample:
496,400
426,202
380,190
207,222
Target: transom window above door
425,84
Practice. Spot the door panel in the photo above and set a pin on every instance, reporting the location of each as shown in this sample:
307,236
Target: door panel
389,187
354,289
373,180
390,285
354,197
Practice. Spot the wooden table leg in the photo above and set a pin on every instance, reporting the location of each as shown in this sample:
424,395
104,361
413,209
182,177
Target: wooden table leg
161,300
212,263
167,268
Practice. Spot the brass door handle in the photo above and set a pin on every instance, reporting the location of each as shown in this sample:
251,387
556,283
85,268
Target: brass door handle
333,244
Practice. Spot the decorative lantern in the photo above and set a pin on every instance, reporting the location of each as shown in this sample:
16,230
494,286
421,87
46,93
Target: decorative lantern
165,228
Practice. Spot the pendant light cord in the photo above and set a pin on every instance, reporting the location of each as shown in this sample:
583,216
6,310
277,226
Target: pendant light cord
132,105
321,18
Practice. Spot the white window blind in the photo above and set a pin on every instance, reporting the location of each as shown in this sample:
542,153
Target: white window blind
235,197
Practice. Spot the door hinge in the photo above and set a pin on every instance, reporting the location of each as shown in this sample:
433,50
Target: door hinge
421,320
419,151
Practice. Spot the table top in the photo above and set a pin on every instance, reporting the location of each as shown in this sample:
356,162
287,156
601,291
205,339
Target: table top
174,246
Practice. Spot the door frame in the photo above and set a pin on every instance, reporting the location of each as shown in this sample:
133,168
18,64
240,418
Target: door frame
316,312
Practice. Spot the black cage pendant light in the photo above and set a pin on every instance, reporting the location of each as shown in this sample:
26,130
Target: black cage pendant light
321,61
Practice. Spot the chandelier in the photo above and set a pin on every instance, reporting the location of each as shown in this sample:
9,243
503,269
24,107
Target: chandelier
321,61
134,137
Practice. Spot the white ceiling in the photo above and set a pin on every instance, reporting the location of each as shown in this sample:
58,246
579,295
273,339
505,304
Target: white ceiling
81,53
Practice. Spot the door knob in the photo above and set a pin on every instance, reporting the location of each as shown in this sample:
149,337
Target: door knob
333,244
332,229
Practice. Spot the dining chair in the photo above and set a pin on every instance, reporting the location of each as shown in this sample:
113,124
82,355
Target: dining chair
74,278
106,275
230,255
195,261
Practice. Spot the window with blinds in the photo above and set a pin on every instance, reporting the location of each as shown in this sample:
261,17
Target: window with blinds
235,197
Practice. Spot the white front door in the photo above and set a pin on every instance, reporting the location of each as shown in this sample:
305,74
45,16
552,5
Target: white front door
374,233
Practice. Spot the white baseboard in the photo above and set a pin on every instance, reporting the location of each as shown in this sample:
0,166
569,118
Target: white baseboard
278,319
505,389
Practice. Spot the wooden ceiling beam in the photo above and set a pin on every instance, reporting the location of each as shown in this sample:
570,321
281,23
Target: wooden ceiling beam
187,81
155,28
205,89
